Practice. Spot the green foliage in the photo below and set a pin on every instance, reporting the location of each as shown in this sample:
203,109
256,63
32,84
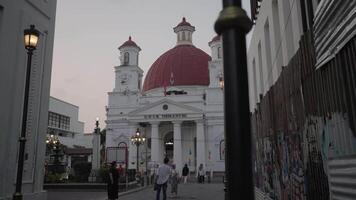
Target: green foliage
104,173
53,178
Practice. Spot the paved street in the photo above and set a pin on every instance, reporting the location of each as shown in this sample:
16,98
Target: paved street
185,192
76,195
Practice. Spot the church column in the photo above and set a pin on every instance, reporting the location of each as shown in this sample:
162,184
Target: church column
155,142
200,144
177,148
132,147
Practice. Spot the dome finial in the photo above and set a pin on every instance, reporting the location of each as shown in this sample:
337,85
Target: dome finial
183,19
130,37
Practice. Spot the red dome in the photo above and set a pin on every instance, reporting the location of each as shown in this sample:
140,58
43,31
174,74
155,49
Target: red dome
129,43
182,65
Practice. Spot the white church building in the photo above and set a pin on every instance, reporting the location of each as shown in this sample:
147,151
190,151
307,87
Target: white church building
179,107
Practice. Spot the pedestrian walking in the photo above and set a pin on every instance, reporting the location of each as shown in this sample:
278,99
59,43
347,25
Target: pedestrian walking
113,182
163,174
185,173
174,180
201,174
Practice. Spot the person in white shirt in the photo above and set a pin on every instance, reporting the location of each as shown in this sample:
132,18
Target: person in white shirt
201,174
163,174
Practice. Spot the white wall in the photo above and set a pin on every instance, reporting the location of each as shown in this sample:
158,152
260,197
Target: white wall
67,109
15,16
275,40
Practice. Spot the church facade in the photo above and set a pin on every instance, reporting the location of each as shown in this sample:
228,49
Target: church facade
178,107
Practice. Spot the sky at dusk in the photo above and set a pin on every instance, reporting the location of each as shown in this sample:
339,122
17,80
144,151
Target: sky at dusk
88,33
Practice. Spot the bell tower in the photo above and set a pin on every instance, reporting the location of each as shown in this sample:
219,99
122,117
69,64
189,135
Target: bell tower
184,32
128,75
215,65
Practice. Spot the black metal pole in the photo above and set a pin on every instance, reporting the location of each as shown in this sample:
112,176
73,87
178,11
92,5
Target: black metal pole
233,24
137,165
18,195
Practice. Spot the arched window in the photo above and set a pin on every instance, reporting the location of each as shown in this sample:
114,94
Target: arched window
219,52
126,58
222,150
183,35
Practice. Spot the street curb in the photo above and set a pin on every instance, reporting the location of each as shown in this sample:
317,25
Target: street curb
134,190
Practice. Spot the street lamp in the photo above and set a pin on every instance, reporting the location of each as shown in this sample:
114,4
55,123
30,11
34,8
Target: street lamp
137,140
96,146
54,145
31,37
97,129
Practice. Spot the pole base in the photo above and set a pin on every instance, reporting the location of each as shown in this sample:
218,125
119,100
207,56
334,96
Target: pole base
17,196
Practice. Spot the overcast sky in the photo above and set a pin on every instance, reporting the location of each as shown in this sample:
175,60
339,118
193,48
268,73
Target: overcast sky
88,33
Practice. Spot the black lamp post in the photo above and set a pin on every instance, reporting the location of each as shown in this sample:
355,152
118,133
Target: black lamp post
97,132
137,140
97,129
31,37
233,24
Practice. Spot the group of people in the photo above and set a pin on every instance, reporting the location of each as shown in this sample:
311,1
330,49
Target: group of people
166,173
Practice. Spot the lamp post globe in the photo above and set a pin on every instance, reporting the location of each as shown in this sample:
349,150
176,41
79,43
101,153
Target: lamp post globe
137,140
31,38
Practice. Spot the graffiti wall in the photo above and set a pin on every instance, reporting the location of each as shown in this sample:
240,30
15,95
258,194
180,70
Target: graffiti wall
306,119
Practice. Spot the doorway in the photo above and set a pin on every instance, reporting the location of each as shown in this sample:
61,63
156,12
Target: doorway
168,145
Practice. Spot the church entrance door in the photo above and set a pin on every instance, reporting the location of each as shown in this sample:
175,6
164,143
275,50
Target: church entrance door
168,145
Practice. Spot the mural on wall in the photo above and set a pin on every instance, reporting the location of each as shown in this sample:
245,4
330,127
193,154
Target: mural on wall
283,167
317,186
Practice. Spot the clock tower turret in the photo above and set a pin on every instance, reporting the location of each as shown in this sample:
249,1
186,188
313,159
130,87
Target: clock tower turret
128,75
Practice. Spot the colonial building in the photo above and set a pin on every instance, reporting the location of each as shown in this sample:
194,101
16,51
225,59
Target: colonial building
15,16
179,108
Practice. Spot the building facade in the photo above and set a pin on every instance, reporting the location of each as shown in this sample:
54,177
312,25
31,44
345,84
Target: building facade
274,41
15,16
63,124
179,108
302,96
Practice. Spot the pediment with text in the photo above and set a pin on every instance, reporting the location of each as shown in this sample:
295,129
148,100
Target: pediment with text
165,109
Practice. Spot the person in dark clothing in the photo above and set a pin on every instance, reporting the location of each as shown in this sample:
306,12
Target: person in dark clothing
185,173
113,182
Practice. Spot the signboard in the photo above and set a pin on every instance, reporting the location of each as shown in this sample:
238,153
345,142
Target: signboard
118,154
165,116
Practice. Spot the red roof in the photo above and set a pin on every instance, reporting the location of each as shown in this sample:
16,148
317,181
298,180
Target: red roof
182,65
184,23
216,38
129,43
